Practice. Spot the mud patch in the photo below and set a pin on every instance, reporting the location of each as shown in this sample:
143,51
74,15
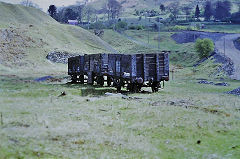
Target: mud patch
235,92
212,83
42,79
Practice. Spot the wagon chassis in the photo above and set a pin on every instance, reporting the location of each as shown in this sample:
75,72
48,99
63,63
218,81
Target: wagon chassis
118,83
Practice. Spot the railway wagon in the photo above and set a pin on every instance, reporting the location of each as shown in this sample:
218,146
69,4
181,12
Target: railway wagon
119,70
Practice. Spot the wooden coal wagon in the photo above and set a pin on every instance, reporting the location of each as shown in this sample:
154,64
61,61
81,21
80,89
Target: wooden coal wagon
119,70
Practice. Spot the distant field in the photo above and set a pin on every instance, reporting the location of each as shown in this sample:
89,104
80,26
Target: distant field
223,28
182,54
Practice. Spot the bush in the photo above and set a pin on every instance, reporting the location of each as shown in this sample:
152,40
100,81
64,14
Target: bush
136,27
97,25
177,28
235,18
121,25
204,47
132,27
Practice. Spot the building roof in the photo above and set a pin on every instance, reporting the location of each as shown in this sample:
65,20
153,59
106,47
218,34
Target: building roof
72,21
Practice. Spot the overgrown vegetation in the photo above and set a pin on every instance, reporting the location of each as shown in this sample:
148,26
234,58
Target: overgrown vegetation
204,47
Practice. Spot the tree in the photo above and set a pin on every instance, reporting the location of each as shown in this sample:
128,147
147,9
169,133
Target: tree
187,11
208,11
52,10
113,9
29,3
162,8
174,10
69,14
79,10
197,12
235,18
223,10
227,8
89,11
204,47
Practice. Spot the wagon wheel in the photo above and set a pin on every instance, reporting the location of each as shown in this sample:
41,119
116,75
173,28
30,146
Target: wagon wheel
109,81
100,80
74,79
119,89
130,87
155,86
137,88
81,77
90,78
118,84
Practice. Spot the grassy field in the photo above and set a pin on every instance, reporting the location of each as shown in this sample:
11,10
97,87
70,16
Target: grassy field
185,120
181,54
223,28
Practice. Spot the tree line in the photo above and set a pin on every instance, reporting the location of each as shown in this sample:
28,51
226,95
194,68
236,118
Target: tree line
82,11
220,10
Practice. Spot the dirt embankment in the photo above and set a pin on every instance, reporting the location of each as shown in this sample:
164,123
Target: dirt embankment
13,43
226,48
237,43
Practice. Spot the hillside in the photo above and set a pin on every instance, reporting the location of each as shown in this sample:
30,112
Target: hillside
27,35
129,6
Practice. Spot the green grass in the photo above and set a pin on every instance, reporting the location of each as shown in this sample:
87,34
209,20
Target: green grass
181,54
168,124
122,44
223,28
38,123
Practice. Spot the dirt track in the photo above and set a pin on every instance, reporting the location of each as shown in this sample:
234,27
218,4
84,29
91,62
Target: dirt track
230,51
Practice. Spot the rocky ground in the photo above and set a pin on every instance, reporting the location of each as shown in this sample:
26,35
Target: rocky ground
59,57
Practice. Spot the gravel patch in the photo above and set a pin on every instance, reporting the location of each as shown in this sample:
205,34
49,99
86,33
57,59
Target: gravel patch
59,57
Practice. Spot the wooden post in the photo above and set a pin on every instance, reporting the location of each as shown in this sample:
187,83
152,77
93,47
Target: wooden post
172,73
1,118
224,46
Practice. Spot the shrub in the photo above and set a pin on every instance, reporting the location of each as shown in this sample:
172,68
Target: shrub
121,25
132,27
139,27
97,25
177,28
136,27
204,47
